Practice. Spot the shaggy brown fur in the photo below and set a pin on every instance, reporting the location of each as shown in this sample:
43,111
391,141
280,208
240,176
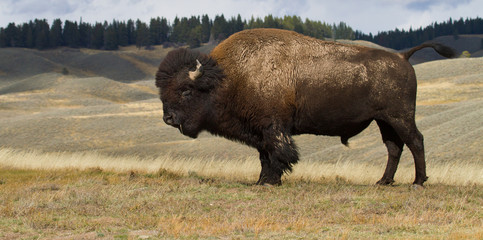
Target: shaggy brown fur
263,86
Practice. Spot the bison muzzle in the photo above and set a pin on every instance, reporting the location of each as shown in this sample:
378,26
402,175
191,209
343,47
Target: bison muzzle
263,86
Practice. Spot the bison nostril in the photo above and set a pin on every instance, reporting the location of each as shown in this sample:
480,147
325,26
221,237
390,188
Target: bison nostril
168,119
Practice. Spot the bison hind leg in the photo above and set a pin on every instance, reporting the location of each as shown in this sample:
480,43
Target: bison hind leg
394,146
396,133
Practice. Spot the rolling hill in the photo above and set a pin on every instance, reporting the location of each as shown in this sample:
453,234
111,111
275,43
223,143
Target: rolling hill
127,65
52,112
130,64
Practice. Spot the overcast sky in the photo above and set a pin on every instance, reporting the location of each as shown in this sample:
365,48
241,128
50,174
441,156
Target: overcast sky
365,15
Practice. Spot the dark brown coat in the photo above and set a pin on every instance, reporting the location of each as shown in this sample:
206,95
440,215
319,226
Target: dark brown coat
263,86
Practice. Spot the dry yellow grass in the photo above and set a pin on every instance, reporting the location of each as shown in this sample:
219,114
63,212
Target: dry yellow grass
138,200
246,169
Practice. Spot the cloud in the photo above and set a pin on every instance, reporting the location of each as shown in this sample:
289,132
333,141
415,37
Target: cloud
32,7
424,5
439,11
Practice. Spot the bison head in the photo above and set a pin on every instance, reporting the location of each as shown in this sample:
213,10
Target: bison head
186,80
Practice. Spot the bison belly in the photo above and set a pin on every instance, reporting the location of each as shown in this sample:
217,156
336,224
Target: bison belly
327,111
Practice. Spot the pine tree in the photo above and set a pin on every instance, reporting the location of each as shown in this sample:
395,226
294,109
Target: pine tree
195,37
41,34
165,29
271,22
131,32
97,36
158,29
206,25
71,34
173,37
29,37
56,39
3,38
317,29
143,38
220,28
85,32
181,30
293,23
154,30
239,24
111,41
24,32
123,36
12,35
342,31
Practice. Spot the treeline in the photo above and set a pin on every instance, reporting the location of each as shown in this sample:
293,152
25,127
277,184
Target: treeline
400,39
192,31
196,30
40,35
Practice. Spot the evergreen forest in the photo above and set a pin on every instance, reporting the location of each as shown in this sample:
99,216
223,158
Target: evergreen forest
197,30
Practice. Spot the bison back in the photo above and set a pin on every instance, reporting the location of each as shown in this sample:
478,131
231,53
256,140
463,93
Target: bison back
318,86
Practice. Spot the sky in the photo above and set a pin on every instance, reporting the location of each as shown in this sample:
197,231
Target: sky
368,16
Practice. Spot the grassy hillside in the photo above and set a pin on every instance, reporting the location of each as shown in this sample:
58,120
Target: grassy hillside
128,64
88,157
52,112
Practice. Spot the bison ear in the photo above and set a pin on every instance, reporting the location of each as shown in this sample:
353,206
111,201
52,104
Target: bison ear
196,73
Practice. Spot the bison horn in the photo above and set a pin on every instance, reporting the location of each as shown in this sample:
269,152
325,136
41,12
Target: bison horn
196,73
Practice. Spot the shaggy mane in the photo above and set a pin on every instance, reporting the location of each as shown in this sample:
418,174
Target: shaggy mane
180,60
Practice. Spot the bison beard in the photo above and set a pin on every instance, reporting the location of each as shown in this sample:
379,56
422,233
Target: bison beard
263,86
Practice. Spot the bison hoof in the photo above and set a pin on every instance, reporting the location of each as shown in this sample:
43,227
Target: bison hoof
417,187
384,181
268,181
420,181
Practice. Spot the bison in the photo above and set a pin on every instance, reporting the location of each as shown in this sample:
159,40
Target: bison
262,86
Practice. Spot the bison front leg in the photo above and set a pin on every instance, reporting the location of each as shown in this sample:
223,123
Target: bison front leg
277,156
268,175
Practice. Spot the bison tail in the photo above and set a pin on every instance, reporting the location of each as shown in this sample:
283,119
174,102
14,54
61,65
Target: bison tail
441,49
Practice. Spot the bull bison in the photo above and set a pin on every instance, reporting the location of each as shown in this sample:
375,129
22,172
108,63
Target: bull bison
262,86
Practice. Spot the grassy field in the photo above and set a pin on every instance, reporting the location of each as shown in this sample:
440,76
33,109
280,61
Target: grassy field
91,196
93,203
87,157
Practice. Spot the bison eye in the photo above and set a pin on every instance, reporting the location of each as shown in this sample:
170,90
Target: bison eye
186,93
